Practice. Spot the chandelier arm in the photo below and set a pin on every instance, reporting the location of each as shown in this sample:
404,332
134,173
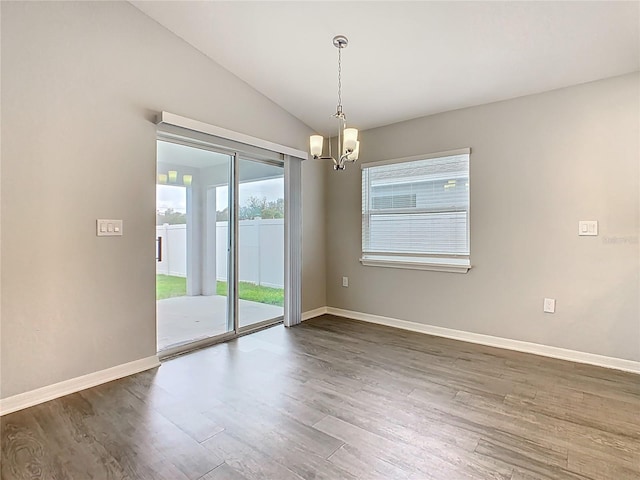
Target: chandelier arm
345,158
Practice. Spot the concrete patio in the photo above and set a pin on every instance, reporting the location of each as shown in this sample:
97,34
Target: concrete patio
185,319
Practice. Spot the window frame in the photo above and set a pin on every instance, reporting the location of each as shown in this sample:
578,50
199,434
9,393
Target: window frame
447,262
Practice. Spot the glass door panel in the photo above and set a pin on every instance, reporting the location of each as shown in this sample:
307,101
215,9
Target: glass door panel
192,244
260,242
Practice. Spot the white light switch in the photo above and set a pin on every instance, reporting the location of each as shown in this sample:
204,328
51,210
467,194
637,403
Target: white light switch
108,228
588,227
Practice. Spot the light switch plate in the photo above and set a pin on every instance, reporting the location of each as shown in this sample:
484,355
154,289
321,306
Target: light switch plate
588,228
108,228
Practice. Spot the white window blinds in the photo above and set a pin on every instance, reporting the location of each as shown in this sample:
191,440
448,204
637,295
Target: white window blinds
417,210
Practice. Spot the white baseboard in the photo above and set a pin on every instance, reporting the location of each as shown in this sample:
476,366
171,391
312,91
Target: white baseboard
313,313
50,392
44,394
518,345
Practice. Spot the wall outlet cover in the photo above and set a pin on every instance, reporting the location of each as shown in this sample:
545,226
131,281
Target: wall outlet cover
588,228
549,305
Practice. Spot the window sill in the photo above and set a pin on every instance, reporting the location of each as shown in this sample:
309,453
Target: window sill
449,265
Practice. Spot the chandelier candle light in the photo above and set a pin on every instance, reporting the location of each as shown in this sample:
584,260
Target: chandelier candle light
348,144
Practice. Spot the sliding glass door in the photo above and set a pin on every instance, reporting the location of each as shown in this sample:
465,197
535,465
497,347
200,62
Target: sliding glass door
192,198
219,244
260,242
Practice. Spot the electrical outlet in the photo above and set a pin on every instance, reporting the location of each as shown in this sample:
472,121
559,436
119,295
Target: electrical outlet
549,305
588,228
345,281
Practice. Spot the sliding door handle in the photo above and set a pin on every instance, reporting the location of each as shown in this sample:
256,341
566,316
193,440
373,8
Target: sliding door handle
159,249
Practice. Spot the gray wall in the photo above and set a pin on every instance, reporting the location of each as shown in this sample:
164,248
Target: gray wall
539,164
81,83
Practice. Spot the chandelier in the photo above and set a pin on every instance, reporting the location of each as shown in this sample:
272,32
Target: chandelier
348,144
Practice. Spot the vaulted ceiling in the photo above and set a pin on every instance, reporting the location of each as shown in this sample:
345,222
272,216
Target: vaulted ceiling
406,59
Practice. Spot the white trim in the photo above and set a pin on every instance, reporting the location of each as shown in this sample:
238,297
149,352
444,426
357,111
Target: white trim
73,385
426,156
491,341
415,265
197,126
313,313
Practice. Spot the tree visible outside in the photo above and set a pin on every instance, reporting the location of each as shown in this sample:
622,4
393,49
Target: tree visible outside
261,207
171,217
222,215
255,207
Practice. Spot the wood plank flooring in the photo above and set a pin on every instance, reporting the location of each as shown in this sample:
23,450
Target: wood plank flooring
338,399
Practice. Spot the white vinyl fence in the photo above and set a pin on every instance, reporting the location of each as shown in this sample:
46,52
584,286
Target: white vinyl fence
174,250
261,251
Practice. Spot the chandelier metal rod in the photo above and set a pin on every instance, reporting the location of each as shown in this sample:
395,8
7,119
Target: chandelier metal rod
339,109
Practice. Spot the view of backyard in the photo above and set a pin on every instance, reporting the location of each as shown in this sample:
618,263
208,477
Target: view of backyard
192,238
168,286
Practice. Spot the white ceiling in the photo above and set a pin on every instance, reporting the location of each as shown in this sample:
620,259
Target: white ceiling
406,59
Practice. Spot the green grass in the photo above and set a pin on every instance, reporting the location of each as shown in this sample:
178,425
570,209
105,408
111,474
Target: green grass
255,293
168,286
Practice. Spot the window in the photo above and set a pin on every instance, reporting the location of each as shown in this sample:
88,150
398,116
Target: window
415,212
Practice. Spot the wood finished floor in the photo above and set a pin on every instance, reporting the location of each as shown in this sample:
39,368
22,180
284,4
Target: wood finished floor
338,399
